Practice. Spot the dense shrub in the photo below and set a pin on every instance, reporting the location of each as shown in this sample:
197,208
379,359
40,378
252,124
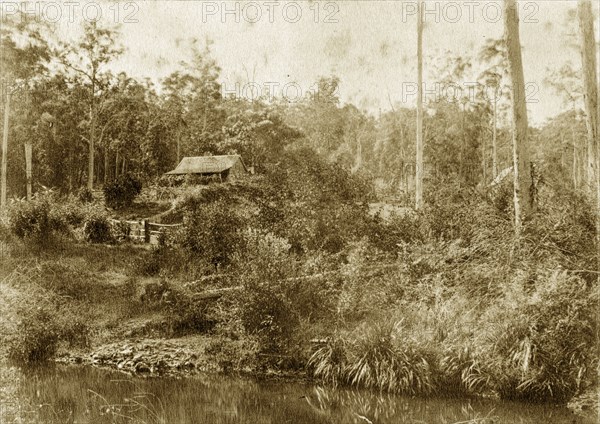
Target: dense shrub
40,330
36,338
185,313
75,331
97,228
564,230
210,230
264,307
73,211
482,314
121,192
231,355
268,314
395,231
84,195
37,220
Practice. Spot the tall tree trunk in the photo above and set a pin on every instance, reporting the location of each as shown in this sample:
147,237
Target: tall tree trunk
178,147
597,168
106,164
592,109
4,152
483,161
462,175
574,170
590,87
70,170
521,161
28,173
565,152
90,182
419,159
495,138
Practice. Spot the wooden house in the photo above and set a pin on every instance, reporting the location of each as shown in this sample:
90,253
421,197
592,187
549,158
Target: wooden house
225,167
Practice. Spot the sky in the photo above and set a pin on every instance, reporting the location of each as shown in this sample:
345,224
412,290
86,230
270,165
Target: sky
283,47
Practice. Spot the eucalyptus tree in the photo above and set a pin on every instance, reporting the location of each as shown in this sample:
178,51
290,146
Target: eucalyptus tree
522,171
89,57
591,93
24,56
590,87
192,102
494,78
419,145
565,81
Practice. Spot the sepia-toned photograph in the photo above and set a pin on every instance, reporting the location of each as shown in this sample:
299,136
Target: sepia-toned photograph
299,212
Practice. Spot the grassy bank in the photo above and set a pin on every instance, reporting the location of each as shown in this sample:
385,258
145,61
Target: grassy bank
444,302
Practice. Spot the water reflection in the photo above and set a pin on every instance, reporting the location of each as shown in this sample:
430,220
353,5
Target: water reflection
89,395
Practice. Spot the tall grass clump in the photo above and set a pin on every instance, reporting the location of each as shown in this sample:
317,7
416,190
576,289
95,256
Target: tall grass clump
328,363
376,356
540,348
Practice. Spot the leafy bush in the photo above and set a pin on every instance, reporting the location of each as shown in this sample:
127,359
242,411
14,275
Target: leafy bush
36,220
74,212
265,306
268,314
231,355
97,228
120,231
41,329
36,338
121,192
210,230
75,332
84,195
185,314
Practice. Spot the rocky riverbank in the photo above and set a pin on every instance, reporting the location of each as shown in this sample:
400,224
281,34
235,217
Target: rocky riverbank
177,357
150,357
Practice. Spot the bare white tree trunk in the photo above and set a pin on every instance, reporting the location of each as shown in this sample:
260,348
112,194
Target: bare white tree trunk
590,87
592,109
521,162
4,151
90,182
28,169
495,139
575,166
419,160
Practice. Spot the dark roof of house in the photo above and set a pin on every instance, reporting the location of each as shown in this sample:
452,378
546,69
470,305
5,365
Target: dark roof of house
206,164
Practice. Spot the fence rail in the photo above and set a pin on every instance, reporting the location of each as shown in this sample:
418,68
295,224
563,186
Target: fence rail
145,231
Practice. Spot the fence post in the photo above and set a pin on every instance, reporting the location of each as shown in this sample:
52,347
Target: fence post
146,231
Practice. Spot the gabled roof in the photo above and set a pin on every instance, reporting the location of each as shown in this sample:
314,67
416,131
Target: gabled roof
206,164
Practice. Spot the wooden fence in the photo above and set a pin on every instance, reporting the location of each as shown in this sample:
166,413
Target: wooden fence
144,231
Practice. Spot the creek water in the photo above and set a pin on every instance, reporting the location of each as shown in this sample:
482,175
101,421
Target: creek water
79,394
